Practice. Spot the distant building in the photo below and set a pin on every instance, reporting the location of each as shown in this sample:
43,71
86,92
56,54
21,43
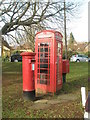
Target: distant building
24,47
87,47
6,49
80,47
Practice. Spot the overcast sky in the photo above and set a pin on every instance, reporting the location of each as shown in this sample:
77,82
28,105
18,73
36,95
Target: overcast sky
79,26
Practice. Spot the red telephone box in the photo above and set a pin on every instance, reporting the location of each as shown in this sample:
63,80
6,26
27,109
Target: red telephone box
48,72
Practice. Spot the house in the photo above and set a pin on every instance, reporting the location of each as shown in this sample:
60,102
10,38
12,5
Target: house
25,47
87,47
6,49
80,47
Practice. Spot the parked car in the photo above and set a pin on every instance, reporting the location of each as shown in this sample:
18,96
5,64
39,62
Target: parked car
88,59
16,58
79,58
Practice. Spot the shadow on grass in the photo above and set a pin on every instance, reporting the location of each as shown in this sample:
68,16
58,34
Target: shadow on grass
72,86
68,87
10,79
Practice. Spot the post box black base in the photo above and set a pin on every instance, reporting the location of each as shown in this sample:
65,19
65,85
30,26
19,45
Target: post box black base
29,95
64,77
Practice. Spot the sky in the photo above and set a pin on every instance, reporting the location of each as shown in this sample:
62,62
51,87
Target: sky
79,25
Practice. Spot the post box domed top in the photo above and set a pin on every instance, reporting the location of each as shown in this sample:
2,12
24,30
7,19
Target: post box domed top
28,54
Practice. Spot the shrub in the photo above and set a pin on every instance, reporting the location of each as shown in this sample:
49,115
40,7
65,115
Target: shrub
69,54
88,54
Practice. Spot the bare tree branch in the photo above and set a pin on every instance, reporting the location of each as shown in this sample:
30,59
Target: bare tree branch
17,16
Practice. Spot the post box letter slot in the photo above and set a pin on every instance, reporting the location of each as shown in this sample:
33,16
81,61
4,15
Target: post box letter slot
33,60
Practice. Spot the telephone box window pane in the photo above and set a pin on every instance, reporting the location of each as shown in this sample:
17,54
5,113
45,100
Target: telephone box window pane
38,54
49,67
41,55
38,81
43,60
38,65
44,71
38,44
46,49
43,82
44,65
58,51
46,55
38,70
38,76
42,49
43,76
59,45
38,49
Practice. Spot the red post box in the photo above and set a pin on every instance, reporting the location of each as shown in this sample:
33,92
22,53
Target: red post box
65,69
48,72
65,66
28,61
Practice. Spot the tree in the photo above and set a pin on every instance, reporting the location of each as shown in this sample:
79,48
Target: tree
16,15
72,44
71,39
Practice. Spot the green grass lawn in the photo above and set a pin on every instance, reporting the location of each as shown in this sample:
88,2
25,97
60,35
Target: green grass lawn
65,104
77,77
12,67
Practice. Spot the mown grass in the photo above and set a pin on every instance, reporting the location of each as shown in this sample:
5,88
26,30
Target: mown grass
14,106
77,78
12,67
